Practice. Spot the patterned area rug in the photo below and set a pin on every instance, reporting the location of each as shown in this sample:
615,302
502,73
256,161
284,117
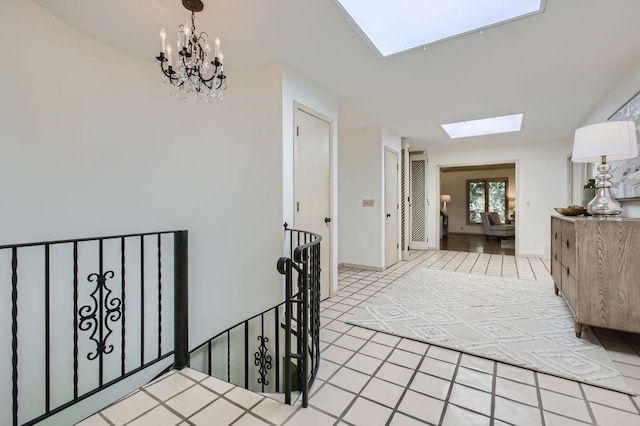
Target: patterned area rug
515,321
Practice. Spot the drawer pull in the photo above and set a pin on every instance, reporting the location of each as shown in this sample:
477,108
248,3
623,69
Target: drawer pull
567,271
555,256
567,244
555,237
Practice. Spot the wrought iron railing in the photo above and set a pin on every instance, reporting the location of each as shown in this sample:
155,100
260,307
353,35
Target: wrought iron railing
283,339
126,299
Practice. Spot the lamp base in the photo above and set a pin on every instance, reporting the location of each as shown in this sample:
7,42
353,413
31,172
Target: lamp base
603,204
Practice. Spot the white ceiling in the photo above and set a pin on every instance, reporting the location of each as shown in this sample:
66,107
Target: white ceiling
554,67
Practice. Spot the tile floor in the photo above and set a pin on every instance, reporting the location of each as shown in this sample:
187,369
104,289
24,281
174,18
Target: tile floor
371,378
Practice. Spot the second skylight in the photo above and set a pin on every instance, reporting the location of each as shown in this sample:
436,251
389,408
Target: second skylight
484,126
393,27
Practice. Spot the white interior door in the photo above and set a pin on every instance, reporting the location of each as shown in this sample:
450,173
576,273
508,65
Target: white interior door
391,204
418,201
312,180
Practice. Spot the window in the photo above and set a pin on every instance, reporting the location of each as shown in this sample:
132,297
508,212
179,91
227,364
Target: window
486,195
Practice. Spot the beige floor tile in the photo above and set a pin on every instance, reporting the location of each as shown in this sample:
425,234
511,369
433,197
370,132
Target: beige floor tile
274,411
430,385
610,398
327,335
443,354
556,384
129,408
338,326
173,384
376,350
364,363
421,407
350,380
220,412
349,342
386,339
331,399
243,397
217,385
159,416
191,400
472,399
474,378
413,346
611,416
400,419
562,404
310,416
394,373
95,420
327,369
551,419
516,373
336,354
435,367
193,374
361,332
517,413
477,363
457,416
249,420
383,392
364,412
404,358
517,391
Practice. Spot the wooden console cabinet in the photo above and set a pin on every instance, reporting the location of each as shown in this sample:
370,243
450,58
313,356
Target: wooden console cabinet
595,263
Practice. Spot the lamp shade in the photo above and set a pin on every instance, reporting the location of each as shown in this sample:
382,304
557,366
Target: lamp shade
614,139
446,198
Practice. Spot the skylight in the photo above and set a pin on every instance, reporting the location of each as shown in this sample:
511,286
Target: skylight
484,126
399,25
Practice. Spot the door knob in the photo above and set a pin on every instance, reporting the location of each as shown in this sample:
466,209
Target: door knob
327,220
388,215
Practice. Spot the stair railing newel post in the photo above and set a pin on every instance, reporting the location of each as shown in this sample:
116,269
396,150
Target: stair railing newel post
181,299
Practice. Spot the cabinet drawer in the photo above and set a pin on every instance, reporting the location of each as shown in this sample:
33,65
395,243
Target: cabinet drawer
556,269
569,247
569,289
556,236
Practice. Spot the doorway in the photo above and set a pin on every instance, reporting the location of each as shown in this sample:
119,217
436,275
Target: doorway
312,183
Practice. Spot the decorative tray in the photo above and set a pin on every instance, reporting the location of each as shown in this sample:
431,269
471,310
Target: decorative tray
571,210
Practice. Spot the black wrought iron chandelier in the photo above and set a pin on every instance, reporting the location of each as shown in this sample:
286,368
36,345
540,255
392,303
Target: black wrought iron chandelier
194,72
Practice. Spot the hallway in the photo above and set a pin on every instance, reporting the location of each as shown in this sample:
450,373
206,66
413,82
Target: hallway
373,378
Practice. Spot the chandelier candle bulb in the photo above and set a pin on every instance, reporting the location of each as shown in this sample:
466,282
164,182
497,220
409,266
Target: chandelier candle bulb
169,56
217,51
163,41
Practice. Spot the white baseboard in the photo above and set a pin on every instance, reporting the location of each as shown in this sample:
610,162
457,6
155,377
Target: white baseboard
356,266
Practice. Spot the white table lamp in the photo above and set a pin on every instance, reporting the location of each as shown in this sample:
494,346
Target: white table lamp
613,140
445,199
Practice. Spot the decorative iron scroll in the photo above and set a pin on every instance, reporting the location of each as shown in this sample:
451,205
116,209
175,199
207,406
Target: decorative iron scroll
263,360
97,317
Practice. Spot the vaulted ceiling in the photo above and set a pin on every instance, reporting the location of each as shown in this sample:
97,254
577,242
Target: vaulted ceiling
554,67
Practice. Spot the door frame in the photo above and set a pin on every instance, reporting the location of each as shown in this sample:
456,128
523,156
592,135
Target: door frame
384,207
333,225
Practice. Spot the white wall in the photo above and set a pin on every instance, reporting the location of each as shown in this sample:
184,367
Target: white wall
297,88
540,186
619,94
92,145
454,183
361,177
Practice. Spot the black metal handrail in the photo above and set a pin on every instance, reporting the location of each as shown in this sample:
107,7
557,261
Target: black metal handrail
105,310
258,339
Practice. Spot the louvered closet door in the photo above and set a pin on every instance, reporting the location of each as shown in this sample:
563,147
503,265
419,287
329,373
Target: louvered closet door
418,202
